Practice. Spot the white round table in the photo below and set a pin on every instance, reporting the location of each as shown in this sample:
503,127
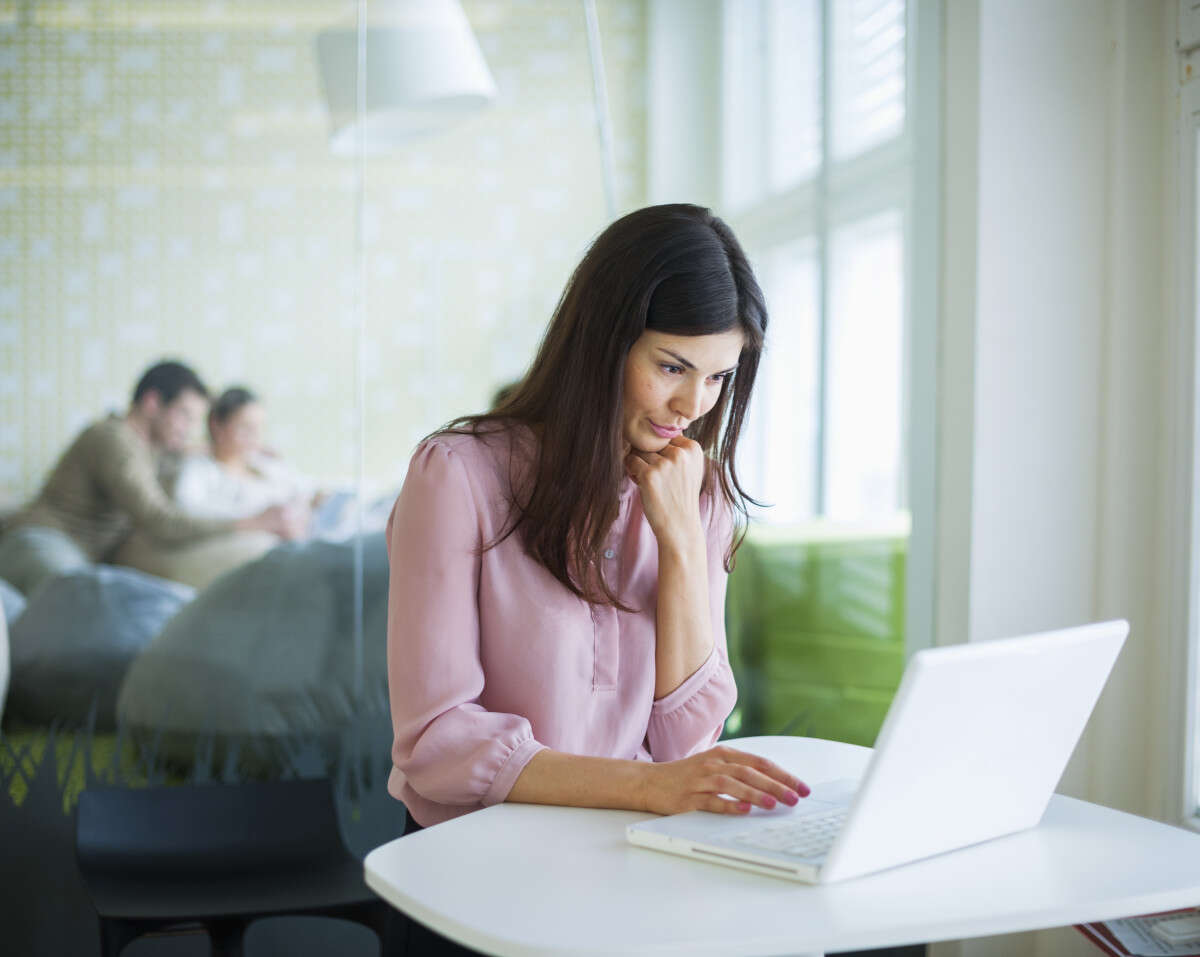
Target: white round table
522,880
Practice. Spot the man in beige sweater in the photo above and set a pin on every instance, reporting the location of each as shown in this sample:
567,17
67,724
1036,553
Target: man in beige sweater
106,486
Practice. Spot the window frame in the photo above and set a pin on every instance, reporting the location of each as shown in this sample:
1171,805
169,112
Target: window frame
879,180
920,175
685,102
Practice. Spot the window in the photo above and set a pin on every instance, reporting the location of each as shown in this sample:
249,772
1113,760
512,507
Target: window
816,172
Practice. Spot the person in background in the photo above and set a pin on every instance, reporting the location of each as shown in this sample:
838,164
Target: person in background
239,478
106,486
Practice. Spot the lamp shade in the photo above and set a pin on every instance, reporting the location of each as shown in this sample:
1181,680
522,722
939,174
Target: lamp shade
424,71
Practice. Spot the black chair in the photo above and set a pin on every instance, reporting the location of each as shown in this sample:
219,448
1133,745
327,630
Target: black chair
218,856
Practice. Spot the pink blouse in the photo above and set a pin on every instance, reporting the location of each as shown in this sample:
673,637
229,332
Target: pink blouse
491,659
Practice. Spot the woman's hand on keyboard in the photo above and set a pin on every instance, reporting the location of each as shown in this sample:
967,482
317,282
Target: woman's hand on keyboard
697,783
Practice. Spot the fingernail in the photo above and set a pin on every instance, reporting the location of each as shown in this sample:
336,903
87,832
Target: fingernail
803,789
792,798
743,806
768,802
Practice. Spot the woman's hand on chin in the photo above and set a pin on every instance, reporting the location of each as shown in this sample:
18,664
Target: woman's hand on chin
670,482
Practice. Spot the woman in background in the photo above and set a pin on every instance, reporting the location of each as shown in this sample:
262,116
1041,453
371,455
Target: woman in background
239,477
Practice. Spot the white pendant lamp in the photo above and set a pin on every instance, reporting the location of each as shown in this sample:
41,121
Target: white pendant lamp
424,71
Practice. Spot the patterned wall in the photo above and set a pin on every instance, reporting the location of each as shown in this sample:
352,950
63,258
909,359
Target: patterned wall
166,189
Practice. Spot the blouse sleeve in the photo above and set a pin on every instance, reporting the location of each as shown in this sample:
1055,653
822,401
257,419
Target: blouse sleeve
449,749
691,717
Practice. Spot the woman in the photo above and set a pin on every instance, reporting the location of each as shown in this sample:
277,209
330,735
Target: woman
239,478
558,565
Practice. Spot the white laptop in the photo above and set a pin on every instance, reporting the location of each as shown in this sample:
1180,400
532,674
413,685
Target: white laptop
972,748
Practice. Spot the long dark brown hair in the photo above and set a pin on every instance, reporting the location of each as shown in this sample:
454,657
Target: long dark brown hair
676,269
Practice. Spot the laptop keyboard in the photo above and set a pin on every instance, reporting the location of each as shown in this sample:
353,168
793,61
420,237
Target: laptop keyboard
809,836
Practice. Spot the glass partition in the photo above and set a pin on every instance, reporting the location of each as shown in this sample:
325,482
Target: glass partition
168,191
210,597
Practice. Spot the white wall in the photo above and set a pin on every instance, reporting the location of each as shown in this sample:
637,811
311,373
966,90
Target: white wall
1128,767
1039,314
1061,320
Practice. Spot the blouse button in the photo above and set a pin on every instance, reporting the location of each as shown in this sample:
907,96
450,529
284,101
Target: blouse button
609,553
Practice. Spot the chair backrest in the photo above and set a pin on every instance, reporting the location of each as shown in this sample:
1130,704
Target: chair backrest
208,827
